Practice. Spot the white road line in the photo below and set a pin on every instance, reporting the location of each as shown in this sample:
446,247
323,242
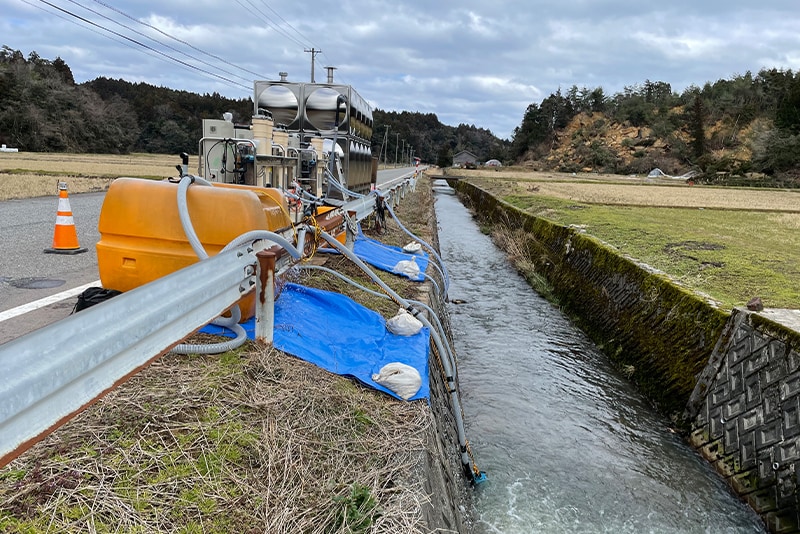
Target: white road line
46,301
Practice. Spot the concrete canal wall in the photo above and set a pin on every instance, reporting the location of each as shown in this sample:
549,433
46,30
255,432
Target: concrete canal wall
449,494
729,380
746,413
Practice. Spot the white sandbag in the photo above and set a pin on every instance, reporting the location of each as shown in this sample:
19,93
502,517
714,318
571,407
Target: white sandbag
412,248
403,324
407,267
400,378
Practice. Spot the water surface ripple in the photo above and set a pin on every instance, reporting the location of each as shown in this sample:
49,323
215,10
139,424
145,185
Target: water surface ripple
568,444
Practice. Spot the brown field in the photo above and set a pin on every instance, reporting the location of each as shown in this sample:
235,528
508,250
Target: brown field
29,174
665,196
637,191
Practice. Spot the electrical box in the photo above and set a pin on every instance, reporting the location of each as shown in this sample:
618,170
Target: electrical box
216,156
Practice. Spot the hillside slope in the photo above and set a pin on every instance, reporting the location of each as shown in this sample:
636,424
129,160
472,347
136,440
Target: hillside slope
591,142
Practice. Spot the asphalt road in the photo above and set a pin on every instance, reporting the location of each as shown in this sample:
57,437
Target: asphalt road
28,275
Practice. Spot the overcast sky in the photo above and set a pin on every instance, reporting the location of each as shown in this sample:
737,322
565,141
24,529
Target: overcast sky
472,62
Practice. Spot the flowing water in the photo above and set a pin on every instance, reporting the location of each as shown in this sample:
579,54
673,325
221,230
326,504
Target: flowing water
568,445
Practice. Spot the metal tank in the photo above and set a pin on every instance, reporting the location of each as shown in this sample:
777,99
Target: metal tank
310,109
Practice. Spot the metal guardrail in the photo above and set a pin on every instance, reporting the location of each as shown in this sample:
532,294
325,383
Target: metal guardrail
54,372
400,180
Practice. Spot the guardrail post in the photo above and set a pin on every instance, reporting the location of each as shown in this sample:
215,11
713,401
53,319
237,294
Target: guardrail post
265,302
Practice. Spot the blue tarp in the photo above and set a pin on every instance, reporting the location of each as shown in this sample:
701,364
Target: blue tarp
336,333
385,257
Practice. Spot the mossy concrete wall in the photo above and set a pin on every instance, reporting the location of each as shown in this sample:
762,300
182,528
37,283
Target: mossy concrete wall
730,380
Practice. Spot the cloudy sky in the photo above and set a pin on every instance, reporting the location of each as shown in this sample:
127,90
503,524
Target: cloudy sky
472,62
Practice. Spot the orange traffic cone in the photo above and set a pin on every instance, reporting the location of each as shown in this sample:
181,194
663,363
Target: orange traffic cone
65,238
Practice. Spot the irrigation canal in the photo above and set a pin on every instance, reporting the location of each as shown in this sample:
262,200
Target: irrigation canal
569,446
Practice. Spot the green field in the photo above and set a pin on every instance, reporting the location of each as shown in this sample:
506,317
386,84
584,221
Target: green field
731,244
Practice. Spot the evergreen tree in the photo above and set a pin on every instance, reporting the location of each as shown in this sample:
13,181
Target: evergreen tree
697,127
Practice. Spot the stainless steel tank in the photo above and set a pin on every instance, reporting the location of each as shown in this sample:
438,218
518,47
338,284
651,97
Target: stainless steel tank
310,108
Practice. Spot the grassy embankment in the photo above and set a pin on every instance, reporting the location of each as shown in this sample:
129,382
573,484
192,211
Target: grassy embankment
730,243
249,441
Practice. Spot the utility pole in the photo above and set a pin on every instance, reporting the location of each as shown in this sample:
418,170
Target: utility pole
313,52
404,152
396,145
385,145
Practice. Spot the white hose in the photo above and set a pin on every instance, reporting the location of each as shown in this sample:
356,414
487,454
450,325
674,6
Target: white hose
443,270
450,377
394,249
255,235
183,213
439,328
232,322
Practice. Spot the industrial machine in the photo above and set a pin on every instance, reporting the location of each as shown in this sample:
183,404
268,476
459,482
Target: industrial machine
311,134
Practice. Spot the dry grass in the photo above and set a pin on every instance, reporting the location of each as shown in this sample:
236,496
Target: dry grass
251,441
672,196
522,173
95,164
620,190
29,174
16,186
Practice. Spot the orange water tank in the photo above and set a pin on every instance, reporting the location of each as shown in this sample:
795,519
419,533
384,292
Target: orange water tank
141,237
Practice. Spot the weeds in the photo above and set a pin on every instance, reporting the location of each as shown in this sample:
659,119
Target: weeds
355,511
523,252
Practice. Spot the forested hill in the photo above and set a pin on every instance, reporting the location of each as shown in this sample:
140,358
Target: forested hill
431,140
169,121
42,109
736,131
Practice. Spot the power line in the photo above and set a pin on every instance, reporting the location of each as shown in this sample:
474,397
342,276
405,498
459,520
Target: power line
165,34
266,19
313,46
286,22
110,37
156,40
143,45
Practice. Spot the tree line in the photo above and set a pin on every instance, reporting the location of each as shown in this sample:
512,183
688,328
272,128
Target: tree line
42,109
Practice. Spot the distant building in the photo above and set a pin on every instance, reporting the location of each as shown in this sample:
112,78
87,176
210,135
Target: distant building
463,158
493,163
